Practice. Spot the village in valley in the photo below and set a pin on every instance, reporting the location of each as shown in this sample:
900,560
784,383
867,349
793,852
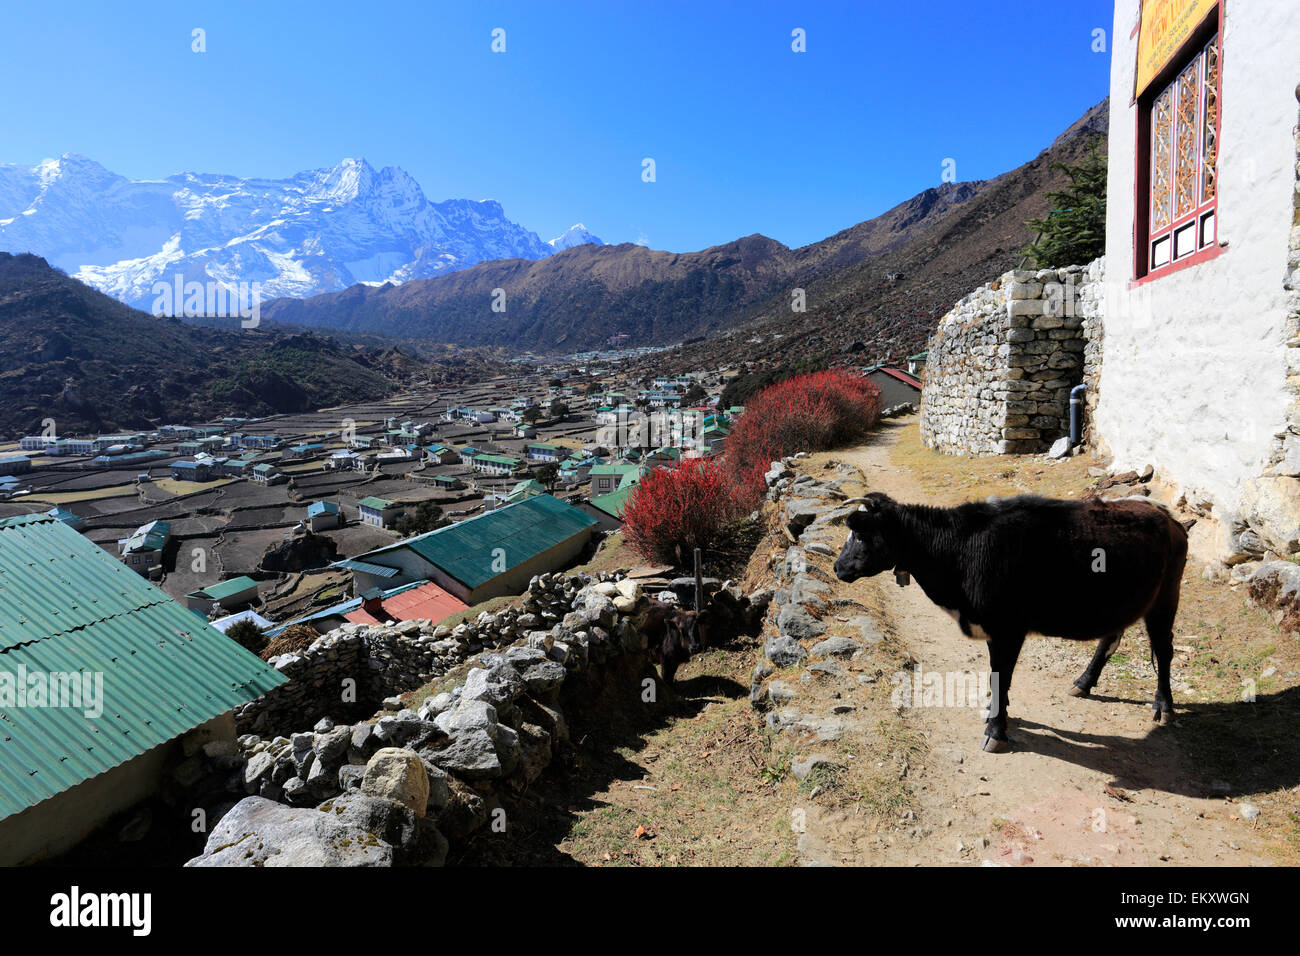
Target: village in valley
286,519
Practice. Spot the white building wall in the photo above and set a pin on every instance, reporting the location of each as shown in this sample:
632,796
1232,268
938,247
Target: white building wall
1193,378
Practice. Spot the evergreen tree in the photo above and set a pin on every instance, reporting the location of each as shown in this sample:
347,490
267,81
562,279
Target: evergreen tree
1074,232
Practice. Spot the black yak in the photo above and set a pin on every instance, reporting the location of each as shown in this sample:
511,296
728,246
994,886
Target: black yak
1081,570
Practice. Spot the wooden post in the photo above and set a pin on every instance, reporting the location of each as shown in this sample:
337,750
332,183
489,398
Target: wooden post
699,581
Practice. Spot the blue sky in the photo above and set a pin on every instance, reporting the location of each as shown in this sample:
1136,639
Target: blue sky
747,135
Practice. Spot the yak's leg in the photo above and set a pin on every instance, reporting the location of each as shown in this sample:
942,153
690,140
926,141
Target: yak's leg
1086,681
1004,650
1160,628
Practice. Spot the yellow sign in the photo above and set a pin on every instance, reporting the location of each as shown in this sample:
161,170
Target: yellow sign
1166,25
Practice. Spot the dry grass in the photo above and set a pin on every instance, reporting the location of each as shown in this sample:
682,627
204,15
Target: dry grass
94,494
949,479
291,639
176,487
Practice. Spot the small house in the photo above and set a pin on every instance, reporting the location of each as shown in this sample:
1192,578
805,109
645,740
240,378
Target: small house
232,594
323,515
379,512
143,551
497,464
192,470
268,475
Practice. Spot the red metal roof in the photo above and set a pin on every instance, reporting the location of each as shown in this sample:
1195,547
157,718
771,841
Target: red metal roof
901,376
427,601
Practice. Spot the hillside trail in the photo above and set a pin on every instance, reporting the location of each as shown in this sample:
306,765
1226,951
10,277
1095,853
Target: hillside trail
1088,781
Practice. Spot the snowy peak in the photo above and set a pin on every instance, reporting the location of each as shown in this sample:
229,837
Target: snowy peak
576,235
320,230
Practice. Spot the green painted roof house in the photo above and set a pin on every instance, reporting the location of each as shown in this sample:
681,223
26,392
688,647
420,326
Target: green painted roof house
67,606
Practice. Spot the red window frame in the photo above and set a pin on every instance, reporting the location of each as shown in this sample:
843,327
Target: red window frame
1178,238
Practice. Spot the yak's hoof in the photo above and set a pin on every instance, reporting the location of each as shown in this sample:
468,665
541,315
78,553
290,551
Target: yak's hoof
1162,716
994,746
1079,690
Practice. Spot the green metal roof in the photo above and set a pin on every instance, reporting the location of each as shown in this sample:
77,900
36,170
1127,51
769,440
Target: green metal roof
379,504
225,589
67,606
509,460
614,502
468,549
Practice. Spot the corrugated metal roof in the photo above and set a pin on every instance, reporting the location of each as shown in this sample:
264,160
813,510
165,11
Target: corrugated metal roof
425,601
478,549
614,502
376,569
67,606
224,589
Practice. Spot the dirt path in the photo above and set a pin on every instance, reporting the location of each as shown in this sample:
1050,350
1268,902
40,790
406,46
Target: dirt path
1088,781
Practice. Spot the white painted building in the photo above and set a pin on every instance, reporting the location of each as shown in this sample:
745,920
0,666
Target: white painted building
1201,240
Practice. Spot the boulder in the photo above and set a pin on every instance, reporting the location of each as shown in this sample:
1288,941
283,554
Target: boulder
397,775
1272,508
795,622
260,832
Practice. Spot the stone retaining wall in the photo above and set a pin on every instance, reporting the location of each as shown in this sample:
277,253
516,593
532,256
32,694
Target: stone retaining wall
1002,363
398,789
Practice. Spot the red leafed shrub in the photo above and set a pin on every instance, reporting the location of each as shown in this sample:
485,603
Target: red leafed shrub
672,511
809,412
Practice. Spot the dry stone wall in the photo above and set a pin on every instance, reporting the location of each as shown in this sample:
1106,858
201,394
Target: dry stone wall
1002,363
397,790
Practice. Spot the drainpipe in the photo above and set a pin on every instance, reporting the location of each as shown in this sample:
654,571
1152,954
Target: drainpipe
1076,414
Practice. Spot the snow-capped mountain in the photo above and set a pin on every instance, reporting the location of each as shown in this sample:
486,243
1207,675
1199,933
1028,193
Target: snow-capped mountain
318,231
576,235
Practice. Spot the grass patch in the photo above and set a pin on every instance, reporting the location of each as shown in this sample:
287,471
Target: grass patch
94,494
177,487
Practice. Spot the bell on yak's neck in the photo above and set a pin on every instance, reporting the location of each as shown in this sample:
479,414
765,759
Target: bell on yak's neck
903,578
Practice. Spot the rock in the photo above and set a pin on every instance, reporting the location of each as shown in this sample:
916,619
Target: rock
387,820
332,746
469,715
350,776
780,693
1249,811
257,769
784,651
397,775
544,678
471,754
1272,508
1060,448
260,832
835,646
796,623
364,743
803,767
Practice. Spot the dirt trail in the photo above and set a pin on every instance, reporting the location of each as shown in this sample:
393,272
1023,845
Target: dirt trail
1088,781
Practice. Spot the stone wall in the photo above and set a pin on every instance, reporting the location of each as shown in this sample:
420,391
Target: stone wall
1002,363
398,789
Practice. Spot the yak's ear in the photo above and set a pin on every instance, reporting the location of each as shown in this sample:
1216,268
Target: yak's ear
857,518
